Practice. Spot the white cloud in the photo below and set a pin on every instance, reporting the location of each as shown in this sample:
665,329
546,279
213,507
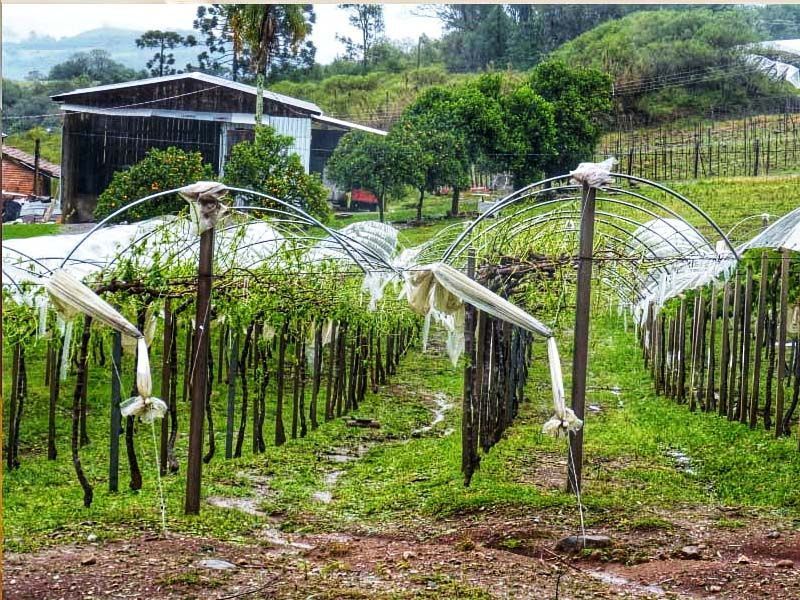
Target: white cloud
60,20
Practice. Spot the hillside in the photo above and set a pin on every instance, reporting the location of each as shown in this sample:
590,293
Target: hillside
375,99
41,53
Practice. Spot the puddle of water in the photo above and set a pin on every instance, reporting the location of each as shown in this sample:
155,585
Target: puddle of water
619,581
442,406
246,505
277,538
682,461
326,495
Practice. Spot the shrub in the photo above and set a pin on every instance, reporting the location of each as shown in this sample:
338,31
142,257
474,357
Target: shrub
266,165
159,170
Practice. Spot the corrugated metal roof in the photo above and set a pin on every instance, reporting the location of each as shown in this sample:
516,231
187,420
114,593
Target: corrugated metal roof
211,79
240,118
29,160
347,124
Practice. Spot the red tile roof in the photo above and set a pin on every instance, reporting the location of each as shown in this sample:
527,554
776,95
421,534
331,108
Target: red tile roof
45,167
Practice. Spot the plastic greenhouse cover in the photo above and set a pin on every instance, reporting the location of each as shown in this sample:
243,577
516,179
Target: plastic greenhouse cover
783,233
246,245
671,238
372,241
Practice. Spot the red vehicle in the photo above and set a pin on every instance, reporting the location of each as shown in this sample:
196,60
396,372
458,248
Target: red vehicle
363,199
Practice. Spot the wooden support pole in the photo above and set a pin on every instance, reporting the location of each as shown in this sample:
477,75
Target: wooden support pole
116,415
199,372
233,373
784,310
711,365
165,383
580,354
681,351
760,320
737,325
746,344
725,355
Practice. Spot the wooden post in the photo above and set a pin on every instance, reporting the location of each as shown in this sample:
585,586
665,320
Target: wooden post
697,318
580,353
199,372
746,343
468,432
36,171
681,351
779,399
737,324
726,355
116,415
760,319
711,365
165,384
233,372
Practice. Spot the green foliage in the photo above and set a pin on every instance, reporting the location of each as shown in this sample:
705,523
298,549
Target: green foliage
368,19
544,125
159,170
581,100
376,163
653,45
49,142
163,42
96,66
266,165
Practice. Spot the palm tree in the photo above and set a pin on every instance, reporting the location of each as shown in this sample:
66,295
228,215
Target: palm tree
260,28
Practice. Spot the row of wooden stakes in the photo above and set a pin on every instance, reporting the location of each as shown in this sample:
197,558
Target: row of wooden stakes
723,348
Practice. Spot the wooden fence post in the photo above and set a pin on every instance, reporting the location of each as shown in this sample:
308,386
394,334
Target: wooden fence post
779,400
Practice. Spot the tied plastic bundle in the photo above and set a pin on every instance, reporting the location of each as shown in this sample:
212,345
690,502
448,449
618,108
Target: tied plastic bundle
204,199
564,420
594,175
71,297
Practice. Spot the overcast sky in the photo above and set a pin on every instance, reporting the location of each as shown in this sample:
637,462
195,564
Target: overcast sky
59,20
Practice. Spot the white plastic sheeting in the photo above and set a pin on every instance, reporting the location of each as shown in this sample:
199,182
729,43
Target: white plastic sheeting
245,245
372,242
775,69
670,238
782,234
71,297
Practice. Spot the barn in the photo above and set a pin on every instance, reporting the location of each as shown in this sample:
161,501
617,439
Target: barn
27,175
111,127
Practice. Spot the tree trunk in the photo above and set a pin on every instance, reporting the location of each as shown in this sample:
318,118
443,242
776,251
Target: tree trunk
419,204
380,206
454,202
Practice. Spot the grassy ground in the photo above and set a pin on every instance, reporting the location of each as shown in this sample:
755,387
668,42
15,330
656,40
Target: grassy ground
629,474
19,230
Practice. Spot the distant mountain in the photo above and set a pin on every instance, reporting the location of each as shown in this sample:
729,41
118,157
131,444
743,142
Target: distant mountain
40,53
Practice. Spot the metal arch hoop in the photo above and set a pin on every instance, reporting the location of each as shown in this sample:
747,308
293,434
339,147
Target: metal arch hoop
293,210
526,192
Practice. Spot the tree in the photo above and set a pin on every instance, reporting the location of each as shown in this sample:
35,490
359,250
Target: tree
163,60
368,19
221,56
267,165
96,66
472,113
376,163
159,170
581,100
531,132
436,157
261,28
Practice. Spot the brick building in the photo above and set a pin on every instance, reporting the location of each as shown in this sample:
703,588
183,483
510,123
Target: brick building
19,170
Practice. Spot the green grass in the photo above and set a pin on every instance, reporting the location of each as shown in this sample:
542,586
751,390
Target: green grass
403,479
20,230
